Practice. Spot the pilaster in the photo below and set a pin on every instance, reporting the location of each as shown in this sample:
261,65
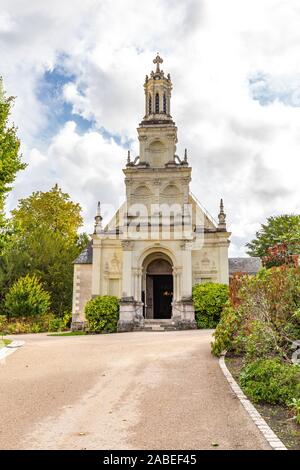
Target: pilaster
96,269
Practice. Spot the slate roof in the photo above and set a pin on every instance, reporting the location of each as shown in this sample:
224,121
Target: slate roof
86,256
236,265
249,265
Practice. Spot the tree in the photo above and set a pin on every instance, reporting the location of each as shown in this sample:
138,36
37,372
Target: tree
280,229
10,159
52,210
45,243
279,255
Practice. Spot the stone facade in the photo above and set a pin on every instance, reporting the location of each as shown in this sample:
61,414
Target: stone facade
161,241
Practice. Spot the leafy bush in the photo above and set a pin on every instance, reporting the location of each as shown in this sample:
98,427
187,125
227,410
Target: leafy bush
60,324
67,320
3,321
226,330
295,404
26,297
102,314
271,381
292,327
262,342
209,300
42,323
56,324
263,317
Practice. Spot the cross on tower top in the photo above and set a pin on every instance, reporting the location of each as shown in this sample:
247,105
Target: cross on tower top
158,60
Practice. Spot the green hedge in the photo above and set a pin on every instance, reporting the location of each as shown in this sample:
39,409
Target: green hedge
36,324
209,300
102,314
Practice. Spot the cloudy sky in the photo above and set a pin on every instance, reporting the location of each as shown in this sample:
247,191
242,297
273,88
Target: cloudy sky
78,67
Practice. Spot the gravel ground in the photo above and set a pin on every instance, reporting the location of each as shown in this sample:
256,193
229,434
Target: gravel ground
144,390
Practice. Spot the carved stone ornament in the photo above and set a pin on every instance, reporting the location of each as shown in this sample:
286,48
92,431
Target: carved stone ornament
127,245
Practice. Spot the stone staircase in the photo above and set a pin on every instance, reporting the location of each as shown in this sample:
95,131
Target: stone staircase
159,325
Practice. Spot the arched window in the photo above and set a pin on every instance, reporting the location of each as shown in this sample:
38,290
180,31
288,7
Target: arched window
150,105
165,103
157,103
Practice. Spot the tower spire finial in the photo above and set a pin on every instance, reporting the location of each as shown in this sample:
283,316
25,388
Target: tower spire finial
185,156
158,60
98,219
222,217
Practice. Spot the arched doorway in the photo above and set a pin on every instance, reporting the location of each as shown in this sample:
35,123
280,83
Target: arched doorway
158,287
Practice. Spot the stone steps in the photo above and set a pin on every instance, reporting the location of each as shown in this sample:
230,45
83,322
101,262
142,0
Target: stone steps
159,325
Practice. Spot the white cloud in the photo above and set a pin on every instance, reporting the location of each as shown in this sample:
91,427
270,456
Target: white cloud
86,166
241,150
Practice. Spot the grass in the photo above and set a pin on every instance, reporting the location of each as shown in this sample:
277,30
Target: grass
4,342
68,333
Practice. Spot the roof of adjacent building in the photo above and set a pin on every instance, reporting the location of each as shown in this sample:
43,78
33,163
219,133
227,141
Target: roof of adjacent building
250,265
86,256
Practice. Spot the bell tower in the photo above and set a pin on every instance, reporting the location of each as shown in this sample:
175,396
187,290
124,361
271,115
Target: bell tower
157,131
157,176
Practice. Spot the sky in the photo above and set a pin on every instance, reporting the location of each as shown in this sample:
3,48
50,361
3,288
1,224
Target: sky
77,70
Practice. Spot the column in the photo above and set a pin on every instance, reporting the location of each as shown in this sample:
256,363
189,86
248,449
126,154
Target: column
186,270
127,284
96,269
223,262
139,285
176,286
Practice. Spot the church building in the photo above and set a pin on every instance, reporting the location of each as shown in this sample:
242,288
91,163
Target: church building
161,241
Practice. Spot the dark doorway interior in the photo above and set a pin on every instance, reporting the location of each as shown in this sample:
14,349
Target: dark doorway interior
162,295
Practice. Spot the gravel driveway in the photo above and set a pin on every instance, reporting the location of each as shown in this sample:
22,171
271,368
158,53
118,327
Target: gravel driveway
144,390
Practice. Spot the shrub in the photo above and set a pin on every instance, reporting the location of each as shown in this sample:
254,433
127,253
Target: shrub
226,330
295,404
35,328
292,327
17,327
59,323
42,323
67,320
262,342
266,309
3,321
209,300
271,381
37,324
56,324
27,297
102,314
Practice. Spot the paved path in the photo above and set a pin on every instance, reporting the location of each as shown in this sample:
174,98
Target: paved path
121,391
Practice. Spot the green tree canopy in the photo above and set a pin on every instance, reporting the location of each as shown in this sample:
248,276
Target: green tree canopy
10,158
45,243
279,229
52,210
